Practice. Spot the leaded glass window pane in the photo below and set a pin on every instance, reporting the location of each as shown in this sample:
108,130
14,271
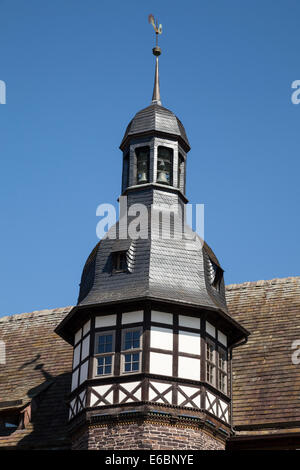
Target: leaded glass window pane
132,339
131,362
104,365
105,343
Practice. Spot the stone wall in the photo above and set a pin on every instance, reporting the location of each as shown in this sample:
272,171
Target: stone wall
145,435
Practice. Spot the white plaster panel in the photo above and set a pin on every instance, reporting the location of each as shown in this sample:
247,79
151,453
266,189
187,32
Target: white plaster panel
138,394
167,396
110,397
76,356
162,317
161,364
132,317
222,338
77,336
93,399
161,338
74,379
210,329
197,401
106,320
189,342
130,386
71,411
82,397
86,327
189,391
84,371
209,399
222,407
182,399
189,322
160,386
102,389
188,368
122,396
85,347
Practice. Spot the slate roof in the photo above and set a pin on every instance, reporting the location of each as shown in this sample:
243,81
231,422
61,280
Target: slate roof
155,118
265,387
165,269
266,384
172,269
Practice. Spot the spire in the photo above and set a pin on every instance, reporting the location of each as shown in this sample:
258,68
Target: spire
156,51
156,91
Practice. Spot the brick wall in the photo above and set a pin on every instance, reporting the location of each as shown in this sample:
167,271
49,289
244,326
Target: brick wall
144,436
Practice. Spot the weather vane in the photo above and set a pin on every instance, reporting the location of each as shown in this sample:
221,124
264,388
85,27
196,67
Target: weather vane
157,29
156,51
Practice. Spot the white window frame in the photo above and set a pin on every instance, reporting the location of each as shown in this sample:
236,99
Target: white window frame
131,351
97,355
212,363
223,371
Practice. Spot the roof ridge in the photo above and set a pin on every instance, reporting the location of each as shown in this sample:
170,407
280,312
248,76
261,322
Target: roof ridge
20,316
262,282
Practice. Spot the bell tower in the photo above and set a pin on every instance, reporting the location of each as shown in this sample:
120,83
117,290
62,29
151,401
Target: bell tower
151,333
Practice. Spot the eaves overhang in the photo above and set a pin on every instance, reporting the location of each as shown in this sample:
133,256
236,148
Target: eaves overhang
75,318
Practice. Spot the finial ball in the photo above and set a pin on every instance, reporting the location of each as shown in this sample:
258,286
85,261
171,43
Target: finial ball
156,51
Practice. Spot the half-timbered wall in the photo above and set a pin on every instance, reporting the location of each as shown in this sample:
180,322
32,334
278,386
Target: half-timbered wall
172,363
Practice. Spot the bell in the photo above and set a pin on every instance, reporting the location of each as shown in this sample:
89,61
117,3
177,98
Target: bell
162,178
142,177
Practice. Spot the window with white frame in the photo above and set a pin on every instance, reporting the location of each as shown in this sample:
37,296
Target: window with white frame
104,353
131,350
222,370
210,362
216,365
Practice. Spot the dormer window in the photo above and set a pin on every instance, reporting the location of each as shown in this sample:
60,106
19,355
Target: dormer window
165,166
215,274
119,262
142,165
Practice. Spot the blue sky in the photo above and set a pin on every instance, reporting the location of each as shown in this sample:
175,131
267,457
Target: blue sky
77,71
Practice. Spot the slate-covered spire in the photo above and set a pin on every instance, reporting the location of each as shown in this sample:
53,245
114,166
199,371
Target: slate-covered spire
156,91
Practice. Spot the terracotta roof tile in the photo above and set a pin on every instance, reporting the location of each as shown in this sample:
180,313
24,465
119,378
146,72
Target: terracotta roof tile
265,381
38,364
265,387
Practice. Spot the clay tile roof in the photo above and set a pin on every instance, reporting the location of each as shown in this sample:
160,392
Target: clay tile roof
265,387
266,383
38,365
